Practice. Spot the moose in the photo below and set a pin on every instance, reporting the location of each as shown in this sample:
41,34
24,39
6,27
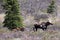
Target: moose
42,26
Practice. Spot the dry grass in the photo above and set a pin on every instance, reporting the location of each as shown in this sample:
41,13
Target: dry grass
29,34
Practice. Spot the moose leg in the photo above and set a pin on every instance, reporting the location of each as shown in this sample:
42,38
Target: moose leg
46,28
36,29
42,28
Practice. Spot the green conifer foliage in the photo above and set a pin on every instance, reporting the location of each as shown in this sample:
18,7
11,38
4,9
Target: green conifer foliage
51,7
13,19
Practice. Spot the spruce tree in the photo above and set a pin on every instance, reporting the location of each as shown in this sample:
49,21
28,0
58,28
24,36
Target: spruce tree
52,11
51,7
13,18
